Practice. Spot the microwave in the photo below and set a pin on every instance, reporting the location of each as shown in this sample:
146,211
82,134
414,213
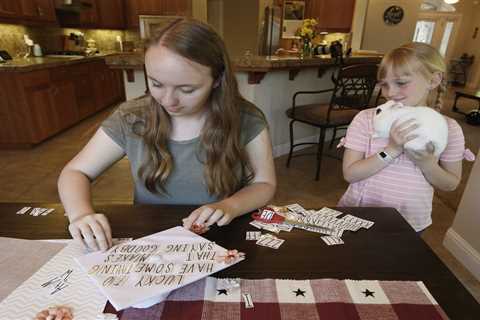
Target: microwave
149,23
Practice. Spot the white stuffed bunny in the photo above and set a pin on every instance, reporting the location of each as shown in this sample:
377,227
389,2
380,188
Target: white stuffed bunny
432,125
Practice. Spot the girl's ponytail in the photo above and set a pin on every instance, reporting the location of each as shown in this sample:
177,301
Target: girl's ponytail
441,90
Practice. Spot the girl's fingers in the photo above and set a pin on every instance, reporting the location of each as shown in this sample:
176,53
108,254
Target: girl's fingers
77,235
102,220
216,216
430,147
224,220
88,237
410,137
188,221
99,235
204,215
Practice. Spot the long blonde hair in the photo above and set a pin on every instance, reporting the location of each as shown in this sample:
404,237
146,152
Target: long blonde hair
222,153
417,57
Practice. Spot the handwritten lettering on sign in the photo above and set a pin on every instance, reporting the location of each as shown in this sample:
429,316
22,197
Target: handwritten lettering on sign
154,265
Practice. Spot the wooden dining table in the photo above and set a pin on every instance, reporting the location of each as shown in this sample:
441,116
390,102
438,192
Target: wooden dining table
390,250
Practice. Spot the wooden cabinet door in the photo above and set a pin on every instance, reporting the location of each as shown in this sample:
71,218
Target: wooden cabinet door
331,15
38,10
29,9
88,16
100,82
152,7
110,14
338,15
108,85
46,10
84,89
9,9
64,103
176,7
134,8
42,119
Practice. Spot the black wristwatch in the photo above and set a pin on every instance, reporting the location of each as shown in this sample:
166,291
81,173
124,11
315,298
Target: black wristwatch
385,157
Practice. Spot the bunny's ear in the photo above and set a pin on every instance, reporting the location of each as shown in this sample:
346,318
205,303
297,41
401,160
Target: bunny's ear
397,105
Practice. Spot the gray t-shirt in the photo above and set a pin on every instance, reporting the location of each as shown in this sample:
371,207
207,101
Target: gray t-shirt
185,184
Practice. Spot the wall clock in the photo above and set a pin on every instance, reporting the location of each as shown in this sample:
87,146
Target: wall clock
393,15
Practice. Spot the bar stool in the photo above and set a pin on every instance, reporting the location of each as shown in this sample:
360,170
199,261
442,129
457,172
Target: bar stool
352,91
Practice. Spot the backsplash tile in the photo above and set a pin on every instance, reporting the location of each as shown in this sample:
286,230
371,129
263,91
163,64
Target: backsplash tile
11,38
50,38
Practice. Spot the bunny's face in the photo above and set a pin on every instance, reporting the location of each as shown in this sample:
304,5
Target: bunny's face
385,115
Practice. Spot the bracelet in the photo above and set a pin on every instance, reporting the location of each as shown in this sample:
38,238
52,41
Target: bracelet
385,157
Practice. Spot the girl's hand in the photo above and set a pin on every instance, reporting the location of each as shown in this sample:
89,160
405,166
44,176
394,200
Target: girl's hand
423,158
202,218
401,133
93,231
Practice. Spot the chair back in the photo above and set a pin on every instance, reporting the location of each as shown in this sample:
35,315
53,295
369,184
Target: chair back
354,85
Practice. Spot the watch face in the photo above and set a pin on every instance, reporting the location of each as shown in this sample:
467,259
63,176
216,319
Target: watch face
382,154
393,15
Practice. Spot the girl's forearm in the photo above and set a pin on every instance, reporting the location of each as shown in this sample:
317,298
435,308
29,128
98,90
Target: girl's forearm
249,198
74,191
440,178
365,168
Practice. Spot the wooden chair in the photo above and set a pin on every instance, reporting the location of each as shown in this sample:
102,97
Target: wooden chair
352,91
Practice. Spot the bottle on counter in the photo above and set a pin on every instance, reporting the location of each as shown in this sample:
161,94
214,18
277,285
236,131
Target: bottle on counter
37,50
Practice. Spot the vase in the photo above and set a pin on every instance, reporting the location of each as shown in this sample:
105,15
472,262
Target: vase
306,51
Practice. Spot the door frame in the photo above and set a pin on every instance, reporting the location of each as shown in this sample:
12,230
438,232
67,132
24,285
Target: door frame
442,18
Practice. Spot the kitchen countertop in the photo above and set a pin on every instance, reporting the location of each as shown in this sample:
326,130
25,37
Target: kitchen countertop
132,60
38,63
256,66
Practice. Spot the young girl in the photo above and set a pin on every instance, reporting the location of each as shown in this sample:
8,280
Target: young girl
192,140
380,172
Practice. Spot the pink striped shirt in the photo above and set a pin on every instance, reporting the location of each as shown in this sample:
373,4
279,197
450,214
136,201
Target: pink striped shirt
401,184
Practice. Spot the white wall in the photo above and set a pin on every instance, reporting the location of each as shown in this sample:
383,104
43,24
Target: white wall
463,238
137,88
358,23
382,37
273,95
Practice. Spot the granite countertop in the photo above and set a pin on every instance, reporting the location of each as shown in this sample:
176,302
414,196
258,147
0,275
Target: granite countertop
135,61
38,63
255,63
264,63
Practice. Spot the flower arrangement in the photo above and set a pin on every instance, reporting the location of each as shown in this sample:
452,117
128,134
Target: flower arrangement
307,31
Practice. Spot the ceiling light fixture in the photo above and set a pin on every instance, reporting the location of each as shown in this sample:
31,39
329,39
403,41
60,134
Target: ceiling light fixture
450,1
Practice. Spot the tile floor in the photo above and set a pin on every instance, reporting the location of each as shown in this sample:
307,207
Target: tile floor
30,176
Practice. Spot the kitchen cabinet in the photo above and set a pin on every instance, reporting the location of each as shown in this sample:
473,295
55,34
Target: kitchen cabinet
110,14
134,8
88,16
50,105
35,105
83,84
107,84
331,15
35,11
176,7
9,9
